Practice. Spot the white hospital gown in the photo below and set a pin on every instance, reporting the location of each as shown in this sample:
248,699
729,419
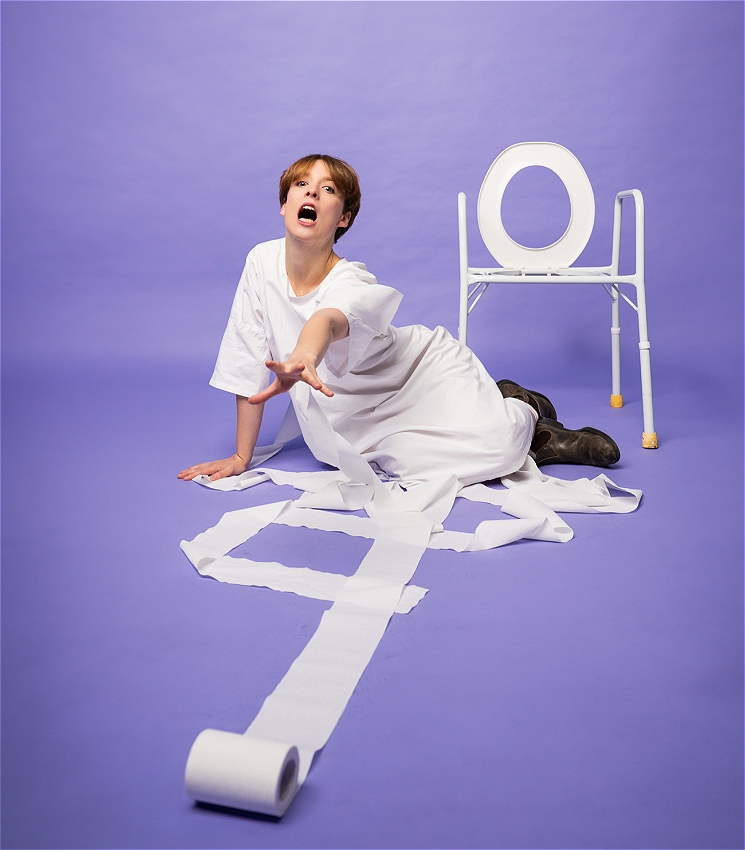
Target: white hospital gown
414,402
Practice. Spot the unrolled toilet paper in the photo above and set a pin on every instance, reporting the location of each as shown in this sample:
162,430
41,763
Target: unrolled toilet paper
261,770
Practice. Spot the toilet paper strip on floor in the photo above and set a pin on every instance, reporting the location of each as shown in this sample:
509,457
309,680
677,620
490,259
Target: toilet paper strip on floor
262,769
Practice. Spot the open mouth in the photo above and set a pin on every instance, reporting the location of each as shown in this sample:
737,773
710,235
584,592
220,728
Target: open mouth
307,213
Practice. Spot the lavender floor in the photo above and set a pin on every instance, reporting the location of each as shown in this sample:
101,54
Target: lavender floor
541,696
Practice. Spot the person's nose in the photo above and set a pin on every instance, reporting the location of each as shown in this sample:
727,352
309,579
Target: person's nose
312,192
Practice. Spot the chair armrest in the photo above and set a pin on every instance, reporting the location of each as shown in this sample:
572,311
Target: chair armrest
639,217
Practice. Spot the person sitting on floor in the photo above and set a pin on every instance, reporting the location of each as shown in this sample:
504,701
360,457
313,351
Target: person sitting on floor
414,402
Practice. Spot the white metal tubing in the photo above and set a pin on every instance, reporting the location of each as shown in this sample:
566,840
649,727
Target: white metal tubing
552,279
639,215
597,271
644,358
647,407
480,287
463,247
615,342
641,297
641,303
616,252
477,298
629,302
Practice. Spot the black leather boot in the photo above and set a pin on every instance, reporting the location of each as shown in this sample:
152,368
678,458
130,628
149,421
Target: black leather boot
538,402
553,443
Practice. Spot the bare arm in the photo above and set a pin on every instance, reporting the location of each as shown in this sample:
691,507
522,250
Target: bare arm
323,328
247,433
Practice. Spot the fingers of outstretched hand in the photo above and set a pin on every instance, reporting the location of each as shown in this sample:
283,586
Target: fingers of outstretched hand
198,469
314,381
324,389
289,370
216,469
307,374
275,388
286,376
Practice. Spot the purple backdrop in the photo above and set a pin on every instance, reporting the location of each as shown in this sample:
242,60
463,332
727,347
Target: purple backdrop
588,695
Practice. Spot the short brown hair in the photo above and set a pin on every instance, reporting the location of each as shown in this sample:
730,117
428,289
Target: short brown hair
344,177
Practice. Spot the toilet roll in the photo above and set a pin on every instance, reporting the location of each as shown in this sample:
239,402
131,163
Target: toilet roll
233,770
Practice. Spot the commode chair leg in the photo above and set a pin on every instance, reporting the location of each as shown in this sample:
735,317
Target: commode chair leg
649,435
463,264
616,399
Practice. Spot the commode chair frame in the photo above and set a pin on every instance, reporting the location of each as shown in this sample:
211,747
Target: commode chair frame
553,264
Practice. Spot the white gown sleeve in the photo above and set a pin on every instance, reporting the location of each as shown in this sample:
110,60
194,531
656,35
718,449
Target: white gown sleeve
369,308
244,350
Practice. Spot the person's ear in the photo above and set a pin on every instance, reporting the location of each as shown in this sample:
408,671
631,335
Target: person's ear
344,220
282,209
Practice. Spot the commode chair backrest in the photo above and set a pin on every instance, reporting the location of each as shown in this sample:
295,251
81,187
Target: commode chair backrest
551,264
562,253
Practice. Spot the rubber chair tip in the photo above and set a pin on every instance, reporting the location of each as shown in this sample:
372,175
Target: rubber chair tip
649,440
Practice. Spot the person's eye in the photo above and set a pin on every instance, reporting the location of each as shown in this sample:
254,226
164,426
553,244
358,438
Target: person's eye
330,189
301,183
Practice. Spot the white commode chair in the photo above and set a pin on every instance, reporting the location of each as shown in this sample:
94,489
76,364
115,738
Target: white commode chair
552,264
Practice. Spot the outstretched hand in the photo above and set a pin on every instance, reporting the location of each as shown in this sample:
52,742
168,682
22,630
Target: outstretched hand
216,469
287,374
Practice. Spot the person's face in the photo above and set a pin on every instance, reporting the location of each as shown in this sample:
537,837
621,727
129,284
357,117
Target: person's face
314,207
